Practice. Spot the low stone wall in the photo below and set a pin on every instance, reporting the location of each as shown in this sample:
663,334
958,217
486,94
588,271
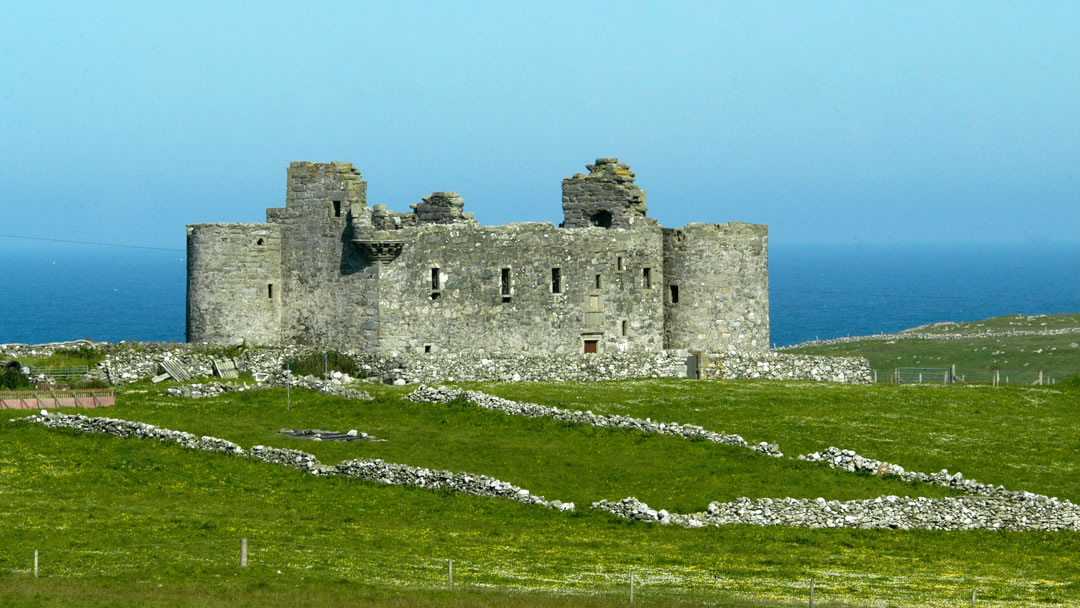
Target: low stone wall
849,460
446,394
449,367
1032,512
130,362
369,470
782,366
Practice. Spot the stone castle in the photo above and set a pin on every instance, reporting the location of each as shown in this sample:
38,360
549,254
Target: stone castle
328,270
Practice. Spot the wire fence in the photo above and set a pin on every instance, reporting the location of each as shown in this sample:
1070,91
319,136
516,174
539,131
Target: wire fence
954,375
560,577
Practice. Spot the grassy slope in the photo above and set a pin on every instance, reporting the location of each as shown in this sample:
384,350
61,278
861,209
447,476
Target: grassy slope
104,509
1018,357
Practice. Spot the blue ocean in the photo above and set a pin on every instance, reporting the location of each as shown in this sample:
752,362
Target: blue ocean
111,294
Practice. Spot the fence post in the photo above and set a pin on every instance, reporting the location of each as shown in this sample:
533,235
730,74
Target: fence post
953,377
920,377
450,573
243,553
811,593
1040,377
875,376
35,564
896,375
631,586
973,592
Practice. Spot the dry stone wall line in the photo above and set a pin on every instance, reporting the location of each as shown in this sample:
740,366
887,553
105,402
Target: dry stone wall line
1019,513
446,394
784,366
369,470
849,460
131,362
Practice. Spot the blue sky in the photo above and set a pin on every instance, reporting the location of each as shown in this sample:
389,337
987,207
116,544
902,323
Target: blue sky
840,122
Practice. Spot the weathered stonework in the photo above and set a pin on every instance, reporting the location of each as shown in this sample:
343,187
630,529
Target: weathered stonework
328,270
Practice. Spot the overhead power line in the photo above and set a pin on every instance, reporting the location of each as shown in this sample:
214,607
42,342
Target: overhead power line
42,238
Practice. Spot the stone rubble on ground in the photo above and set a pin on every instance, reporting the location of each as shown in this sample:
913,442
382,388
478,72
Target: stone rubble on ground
360,468
446,394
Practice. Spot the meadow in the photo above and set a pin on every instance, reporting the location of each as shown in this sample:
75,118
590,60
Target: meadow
1016,346
119,522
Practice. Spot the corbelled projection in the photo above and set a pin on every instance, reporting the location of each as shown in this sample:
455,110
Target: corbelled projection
329,270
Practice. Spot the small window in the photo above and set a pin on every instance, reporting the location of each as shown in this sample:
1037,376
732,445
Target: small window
427,348
556,280
337,208
619,264
599,282
646,278
435,295
674,289
436,284
590,346
504,284
259,242
270,290
625,328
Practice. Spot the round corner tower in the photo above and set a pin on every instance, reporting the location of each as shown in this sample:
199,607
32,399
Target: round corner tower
234,283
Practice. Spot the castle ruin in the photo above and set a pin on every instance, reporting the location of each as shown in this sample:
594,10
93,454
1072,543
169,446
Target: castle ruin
328,270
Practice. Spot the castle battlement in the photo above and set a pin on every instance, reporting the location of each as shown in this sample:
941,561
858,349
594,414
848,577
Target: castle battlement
329,270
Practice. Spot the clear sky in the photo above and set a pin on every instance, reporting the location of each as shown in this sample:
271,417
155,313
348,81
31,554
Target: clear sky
875,122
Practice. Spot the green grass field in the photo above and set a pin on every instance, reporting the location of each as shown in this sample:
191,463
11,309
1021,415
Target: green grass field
1018,358
124,522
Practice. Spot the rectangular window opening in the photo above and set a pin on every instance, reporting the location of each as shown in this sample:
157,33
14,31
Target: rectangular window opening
504,283
427,348
599,281
556,280
435,295
435,282
270,290
625,328
674,294
590,346
619,263
646,278
337,208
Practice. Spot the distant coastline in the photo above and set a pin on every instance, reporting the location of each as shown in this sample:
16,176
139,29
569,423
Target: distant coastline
817,291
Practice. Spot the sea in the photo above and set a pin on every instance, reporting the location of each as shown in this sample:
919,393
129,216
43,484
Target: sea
111,294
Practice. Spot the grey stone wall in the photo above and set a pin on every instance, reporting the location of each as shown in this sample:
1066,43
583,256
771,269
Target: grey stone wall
234,283
607,197
469,311
781,366
721,274
330,290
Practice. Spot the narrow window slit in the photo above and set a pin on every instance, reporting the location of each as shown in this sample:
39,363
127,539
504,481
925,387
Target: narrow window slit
504,284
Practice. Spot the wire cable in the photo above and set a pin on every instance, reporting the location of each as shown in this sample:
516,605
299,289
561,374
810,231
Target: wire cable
41,238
